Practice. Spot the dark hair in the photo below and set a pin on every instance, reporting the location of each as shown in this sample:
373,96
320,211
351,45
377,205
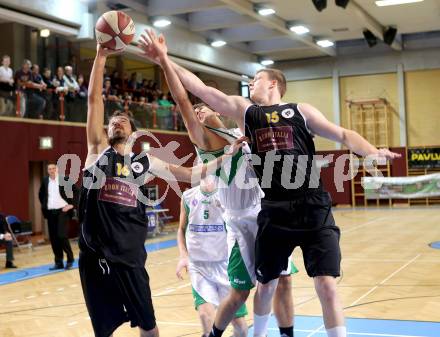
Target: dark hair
202,105
127,114
276,75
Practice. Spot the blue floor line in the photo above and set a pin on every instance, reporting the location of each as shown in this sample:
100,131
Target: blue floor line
22,274
360,327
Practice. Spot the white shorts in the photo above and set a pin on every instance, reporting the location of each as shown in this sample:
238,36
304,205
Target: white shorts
210,284
242,230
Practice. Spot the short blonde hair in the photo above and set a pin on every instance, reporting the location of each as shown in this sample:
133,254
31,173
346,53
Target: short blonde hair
276,75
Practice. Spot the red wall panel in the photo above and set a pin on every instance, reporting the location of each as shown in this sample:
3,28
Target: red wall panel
20,140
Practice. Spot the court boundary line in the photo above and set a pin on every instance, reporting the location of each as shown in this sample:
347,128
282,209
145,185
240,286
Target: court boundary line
385,280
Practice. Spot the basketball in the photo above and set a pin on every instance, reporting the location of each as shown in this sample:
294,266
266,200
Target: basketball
114,30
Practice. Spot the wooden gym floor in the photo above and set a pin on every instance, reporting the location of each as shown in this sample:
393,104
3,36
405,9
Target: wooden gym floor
389,272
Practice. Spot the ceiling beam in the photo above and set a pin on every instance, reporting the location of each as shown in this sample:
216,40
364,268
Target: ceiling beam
272,45
248,33
275,22
371,23
217,19
173,7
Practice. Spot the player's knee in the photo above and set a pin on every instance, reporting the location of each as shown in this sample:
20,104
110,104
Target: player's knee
150,333
239,296
267,289
206,316
326,288
284,283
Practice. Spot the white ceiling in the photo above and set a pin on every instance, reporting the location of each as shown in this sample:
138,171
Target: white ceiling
235,22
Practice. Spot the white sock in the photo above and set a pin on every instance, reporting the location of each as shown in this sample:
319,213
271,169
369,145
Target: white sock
337,331
260,325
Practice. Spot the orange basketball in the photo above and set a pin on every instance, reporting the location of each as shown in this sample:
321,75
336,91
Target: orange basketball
114,30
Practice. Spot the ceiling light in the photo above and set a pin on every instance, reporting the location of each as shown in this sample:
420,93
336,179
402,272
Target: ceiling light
342,3
45,32
266,11
299,29
263,10
325,43
160,23
266,62
320,4
217,43
382,3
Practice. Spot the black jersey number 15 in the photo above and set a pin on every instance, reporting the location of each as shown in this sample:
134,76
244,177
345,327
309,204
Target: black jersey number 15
273,117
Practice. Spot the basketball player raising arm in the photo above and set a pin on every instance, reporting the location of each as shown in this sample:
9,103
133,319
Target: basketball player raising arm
120,127
291,206
112,215
263,92
209,135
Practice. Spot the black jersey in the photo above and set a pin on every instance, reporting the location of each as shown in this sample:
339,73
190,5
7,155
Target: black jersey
112,208
280,138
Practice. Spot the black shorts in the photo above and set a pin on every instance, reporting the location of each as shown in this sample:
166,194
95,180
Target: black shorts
306,222
115,294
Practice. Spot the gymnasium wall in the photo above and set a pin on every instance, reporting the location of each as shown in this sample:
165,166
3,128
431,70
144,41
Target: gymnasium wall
369,87
20,142
421,96
422,90
319,93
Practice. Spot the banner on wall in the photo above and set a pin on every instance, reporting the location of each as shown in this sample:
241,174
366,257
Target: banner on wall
402,187
424,158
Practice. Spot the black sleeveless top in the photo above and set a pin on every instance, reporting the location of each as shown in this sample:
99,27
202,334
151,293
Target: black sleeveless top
280,138
112,208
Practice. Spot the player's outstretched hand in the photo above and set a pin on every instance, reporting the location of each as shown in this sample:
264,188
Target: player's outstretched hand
104,52
387,154
153,47
181,265
232,149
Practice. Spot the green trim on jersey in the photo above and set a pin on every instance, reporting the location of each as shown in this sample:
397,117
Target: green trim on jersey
293,269
187,210
237,272
198,301
208,194
203,154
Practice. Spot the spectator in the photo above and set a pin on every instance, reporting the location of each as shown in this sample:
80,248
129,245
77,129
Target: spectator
108,92
72,91
60,88
82,93
47,78
125,81
57,208
116,81
132,83
111,101
39,87
58,81
6,87
31,105
82,99
49,95
164,113
6,239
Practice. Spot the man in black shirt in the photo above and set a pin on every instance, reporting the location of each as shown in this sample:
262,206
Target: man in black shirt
112,214
296,211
